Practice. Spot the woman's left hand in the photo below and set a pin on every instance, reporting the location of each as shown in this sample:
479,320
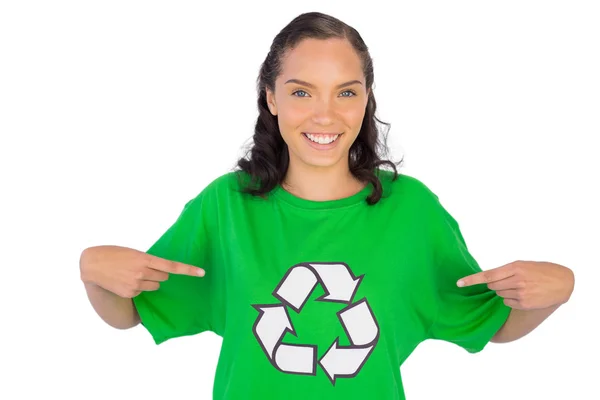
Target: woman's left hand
527,285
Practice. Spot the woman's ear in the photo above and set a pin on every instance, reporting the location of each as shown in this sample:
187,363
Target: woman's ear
271,102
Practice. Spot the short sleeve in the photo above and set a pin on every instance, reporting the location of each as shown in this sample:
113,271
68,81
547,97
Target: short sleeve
182,304
469,316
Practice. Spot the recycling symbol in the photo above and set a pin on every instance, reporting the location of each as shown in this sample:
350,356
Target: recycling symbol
357,319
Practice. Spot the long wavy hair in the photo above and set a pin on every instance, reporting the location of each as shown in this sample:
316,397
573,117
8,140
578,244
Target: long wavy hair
267,159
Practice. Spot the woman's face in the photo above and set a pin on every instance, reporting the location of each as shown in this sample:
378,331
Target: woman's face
320,96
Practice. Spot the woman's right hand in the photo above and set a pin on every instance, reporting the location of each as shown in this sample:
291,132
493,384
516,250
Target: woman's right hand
126,272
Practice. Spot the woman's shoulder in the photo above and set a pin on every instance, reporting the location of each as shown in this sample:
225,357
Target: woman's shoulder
405,185
226,184
418,198
219,183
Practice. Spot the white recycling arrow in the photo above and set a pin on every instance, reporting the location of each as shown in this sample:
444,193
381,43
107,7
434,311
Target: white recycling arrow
297,359
294,290
344,361
359,323
271,326
337,281
299,282
296,287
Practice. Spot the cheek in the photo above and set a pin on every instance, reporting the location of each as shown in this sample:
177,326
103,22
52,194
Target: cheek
291,116
354,116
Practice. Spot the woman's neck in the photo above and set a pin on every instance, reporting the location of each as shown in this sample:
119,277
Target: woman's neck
321,183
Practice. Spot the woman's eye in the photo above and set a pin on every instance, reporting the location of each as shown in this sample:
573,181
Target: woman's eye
302,93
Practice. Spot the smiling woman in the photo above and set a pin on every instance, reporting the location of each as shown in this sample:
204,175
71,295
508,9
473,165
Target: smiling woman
317,120
310,227
326,111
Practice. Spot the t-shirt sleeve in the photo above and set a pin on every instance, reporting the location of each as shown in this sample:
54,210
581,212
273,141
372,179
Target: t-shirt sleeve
182,304
466,316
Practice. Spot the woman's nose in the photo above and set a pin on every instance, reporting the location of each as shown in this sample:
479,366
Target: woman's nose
323,112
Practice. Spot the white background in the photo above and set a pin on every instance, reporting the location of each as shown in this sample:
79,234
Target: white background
114,114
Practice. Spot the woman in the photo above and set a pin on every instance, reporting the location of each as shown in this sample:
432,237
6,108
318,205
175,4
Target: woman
321,270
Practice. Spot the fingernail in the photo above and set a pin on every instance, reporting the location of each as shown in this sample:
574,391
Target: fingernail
460,283
200,272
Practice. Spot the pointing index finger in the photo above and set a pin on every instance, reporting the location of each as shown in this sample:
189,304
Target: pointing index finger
174,267
489,276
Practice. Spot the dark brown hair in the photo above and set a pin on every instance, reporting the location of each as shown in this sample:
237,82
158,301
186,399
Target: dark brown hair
267,160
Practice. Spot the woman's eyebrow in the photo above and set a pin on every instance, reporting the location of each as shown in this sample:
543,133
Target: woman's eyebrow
310,85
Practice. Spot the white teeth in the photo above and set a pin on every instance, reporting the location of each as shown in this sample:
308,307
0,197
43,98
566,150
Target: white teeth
322,139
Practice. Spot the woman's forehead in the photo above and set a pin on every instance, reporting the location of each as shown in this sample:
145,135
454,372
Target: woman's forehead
316,60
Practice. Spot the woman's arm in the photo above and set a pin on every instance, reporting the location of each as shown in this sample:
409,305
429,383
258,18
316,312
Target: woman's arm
521,322
118,312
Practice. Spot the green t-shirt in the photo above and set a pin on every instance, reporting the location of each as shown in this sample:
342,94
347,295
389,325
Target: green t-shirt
319,299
